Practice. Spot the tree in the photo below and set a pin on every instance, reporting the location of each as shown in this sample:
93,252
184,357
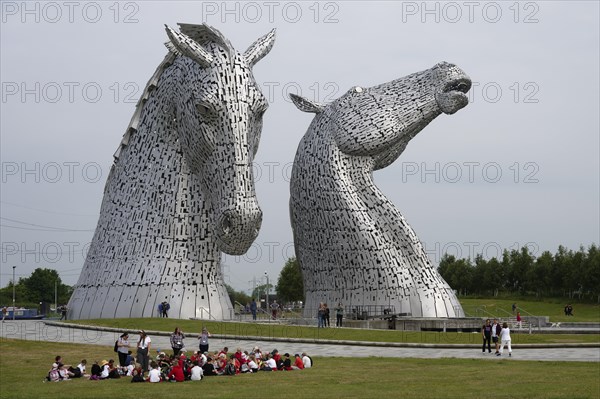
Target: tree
237,296
457,273
40,285
290,286
261,290
591,272
519,272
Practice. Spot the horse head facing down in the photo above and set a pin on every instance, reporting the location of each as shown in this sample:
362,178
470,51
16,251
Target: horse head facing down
352,244
181,189
219,114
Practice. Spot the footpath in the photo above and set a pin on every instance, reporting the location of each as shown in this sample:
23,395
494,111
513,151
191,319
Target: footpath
55,331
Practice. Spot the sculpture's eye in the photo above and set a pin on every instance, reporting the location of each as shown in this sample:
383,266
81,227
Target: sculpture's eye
205,110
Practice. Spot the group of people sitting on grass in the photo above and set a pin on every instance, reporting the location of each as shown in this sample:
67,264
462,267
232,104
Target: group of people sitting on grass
179,367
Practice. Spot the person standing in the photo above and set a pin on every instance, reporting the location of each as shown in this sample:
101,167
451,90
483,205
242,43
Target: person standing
326,316
4,312
143,349
321,315
123,349
339,315
274,309
166,308
486,332
204,340
519,320
253,308
177,341
495,334
160,309
505,339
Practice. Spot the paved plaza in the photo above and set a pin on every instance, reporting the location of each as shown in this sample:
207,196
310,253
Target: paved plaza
35,330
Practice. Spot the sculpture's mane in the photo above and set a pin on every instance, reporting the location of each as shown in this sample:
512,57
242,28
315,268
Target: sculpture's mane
203,35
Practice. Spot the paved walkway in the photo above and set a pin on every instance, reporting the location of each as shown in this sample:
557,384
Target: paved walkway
35,330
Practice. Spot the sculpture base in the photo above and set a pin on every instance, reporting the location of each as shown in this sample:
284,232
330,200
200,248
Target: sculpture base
124,301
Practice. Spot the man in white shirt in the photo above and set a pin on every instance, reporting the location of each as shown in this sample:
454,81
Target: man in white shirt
81,366
154,374
271,362
306,360
196,372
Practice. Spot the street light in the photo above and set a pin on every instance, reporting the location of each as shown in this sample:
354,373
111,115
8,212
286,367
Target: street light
267,290
14,283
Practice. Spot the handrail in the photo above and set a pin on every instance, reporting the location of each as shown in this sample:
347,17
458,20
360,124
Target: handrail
241,306
210,316
504,311
483,309
520,309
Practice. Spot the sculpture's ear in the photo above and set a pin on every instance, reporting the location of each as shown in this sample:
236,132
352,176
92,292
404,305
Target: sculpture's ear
183,44
305,105
260,48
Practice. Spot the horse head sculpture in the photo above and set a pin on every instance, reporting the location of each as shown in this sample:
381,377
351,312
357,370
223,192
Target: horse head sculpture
181,189
352,244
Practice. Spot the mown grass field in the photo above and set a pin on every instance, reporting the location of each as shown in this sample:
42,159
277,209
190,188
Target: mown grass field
552,307
310,333
24,364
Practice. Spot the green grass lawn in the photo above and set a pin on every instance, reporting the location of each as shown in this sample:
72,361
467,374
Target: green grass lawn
275,330
552,307
24,364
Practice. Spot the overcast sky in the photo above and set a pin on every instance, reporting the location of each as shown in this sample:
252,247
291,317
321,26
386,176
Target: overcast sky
518,166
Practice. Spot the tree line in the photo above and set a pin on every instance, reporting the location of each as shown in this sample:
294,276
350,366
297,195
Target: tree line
38,287
566,273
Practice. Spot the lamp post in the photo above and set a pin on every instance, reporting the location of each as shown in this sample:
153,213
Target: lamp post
267,291
14,283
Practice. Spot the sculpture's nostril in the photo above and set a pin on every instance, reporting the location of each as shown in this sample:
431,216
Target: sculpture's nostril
226,225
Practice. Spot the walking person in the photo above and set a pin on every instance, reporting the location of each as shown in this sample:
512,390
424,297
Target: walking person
505,339
496,334
4,312
339,315
204,340
177,341
143,349
486,332
63,312
123,349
